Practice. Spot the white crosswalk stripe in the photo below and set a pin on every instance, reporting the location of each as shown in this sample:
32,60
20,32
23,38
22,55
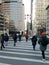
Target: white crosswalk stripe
37,51
23,59
21,53
4,64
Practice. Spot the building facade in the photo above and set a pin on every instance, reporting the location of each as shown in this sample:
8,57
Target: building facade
40,14
3,24
14,9
47,22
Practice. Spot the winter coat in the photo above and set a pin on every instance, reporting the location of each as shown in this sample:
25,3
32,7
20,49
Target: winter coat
42,48
2,38
34,40
19,36
6,37
15,37
26,35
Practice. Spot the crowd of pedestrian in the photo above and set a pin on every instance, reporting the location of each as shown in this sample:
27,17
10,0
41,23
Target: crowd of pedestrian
42,41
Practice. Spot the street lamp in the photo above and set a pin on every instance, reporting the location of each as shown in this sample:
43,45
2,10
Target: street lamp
27,22
31,15
27,18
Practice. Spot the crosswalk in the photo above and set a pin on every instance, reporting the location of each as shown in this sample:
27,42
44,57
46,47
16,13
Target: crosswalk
22,52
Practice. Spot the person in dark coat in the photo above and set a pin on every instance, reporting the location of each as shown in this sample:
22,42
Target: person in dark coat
15,38
42,46
2,41
19,36
34,40
6,38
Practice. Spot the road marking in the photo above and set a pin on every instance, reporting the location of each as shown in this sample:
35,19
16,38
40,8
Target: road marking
47,49
4,64
37,51
28,54
23,59
29,48
24,47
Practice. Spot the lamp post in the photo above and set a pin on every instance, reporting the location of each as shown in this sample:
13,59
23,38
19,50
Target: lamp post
31,15
27,23
27,18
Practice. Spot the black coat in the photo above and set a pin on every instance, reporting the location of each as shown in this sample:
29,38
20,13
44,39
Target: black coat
34,40
14,37
2,36
6,37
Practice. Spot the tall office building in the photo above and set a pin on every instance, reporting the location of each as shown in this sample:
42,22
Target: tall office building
23,17
1,20
40,13
3,23
14,9
47,22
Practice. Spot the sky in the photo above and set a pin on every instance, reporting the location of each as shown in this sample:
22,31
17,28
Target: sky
27,10
27,6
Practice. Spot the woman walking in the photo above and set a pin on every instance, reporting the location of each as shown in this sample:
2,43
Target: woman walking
15,38
43,41
34,41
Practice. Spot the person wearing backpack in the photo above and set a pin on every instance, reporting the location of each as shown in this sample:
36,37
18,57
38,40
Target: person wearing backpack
43,41
34,41
6,39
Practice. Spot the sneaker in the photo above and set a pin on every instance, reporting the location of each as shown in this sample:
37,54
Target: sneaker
3,47
43,59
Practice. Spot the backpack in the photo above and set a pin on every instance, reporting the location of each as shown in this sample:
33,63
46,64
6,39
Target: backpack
44,41
6,37
34,39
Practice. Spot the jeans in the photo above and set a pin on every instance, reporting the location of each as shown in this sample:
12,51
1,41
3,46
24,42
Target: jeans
43,54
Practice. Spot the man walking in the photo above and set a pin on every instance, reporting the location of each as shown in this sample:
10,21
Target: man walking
34,40
15,38
2,41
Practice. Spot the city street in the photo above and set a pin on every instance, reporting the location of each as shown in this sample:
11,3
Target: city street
24,19
22,54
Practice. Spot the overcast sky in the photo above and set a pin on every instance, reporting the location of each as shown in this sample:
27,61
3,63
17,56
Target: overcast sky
27,9
27,6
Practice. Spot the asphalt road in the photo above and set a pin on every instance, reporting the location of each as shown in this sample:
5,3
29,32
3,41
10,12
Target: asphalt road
22,54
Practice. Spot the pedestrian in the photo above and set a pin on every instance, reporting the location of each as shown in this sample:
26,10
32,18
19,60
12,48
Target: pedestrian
6,39
19,36
43,41
2,41
26,36
15,38
34,41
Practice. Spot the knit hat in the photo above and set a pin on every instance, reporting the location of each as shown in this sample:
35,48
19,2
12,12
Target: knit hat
43,33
